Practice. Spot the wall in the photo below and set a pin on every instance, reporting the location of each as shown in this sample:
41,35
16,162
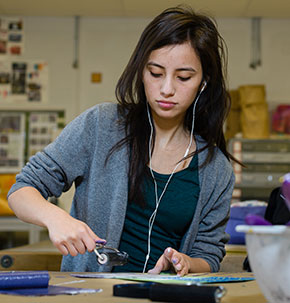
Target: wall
275,45
106,44
51,40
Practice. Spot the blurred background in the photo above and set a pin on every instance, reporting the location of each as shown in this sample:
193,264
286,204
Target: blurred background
58,58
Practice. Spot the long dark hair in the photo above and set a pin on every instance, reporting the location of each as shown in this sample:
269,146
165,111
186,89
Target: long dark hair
174,26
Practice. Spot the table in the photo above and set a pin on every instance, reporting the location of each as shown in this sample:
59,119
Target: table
234,258
240,292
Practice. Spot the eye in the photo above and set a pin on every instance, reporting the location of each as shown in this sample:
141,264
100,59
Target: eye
155,75
183,79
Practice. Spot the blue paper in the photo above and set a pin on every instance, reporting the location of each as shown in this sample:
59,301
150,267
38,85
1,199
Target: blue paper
23,279
35,283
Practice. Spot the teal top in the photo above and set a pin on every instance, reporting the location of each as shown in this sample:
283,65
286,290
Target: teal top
174,215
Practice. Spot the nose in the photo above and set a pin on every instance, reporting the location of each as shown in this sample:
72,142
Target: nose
167,87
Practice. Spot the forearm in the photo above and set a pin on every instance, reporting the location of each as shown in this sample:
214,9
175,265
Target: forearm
68,234
29,206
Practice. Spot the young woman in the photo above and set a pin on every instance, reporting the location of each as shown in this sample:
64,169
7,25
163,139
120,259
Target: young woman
152,174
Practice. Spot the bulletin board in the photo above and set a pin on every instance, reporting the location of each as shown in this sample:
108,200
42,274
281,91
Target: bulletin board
11,36
23,81
24,133
12,139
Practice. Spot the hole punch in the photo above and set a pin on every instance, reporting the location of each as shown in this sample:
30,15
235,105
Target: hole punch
110,256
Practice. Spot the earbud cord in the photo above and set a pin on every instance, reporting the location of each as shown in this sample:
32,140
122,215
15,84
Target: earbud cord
193,119
153,215
158,200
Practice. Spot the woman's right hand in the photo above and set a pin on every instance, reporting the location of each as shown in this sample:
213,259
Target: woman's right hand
71,236
68,234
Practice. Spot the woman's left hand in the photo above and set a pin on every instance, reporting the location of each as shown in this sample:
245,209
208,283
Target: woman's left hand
171,258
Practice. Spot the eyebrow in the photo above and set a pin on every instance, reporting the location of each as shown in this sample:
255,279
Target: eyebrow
190,69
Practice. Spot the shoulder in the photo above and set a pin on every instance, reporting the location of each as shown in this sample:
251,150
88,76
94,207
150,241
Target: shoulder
99,111
102,115
96,122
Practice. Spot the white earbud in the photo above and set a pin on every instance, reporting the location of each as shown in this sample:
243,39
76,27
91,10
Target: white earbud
203,86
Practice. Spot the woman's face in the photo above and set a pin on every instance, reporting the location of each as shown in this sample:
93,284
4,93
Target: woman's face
171,78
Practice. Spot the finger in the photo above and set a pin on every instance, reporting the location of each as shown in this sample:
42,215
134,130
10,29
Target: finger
168,253
93,235
89,243
71,249
62,249
161,264
80,247
183,272
178,263
178,267
172,256
91,240
156,270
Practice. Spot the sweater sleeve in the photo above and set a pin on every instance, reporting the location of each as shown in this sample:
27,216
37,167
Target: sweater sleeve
208,241
211,237
53,170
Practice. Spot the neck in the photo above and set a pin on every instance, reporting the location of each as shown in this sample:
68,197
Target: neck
169,133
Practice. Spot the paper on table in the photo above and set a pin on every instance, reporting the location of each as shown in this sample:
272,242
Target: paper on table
35,283
49,291
167,278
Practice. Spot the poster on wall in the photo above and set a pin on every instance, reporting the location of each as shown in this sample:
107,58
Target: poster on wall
11,36
12,139
23,82
42,129
24,133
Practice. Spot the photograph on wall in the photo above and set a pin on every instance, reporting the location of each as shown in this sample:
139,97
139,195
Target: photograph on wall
23,82
11,36
12,141
43,127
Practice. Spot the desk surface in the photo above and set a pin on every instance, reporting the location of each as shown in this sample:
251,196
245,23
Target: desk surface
240,292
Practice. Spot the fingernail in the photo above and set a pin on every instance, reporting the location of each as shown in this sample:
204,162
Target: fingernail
168,250
174,261
178,266
101,242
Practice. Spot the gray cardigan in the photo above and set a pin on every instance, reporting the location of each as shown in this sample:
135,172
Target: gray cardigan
101,192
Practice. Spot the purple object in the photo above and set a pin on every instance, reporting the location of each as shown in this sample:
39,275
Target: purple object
286,190
101,242
252,219
237,217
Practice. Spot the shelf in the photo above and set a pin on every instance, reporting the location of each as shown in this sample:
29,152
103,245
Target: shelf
8,224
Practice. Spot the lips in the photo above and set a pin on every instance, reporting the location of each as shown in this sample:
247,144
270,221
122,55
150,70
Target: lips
165,104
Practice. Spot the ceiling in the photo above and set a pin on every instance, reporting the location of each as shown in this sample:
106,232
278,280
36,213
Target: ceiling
144,8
